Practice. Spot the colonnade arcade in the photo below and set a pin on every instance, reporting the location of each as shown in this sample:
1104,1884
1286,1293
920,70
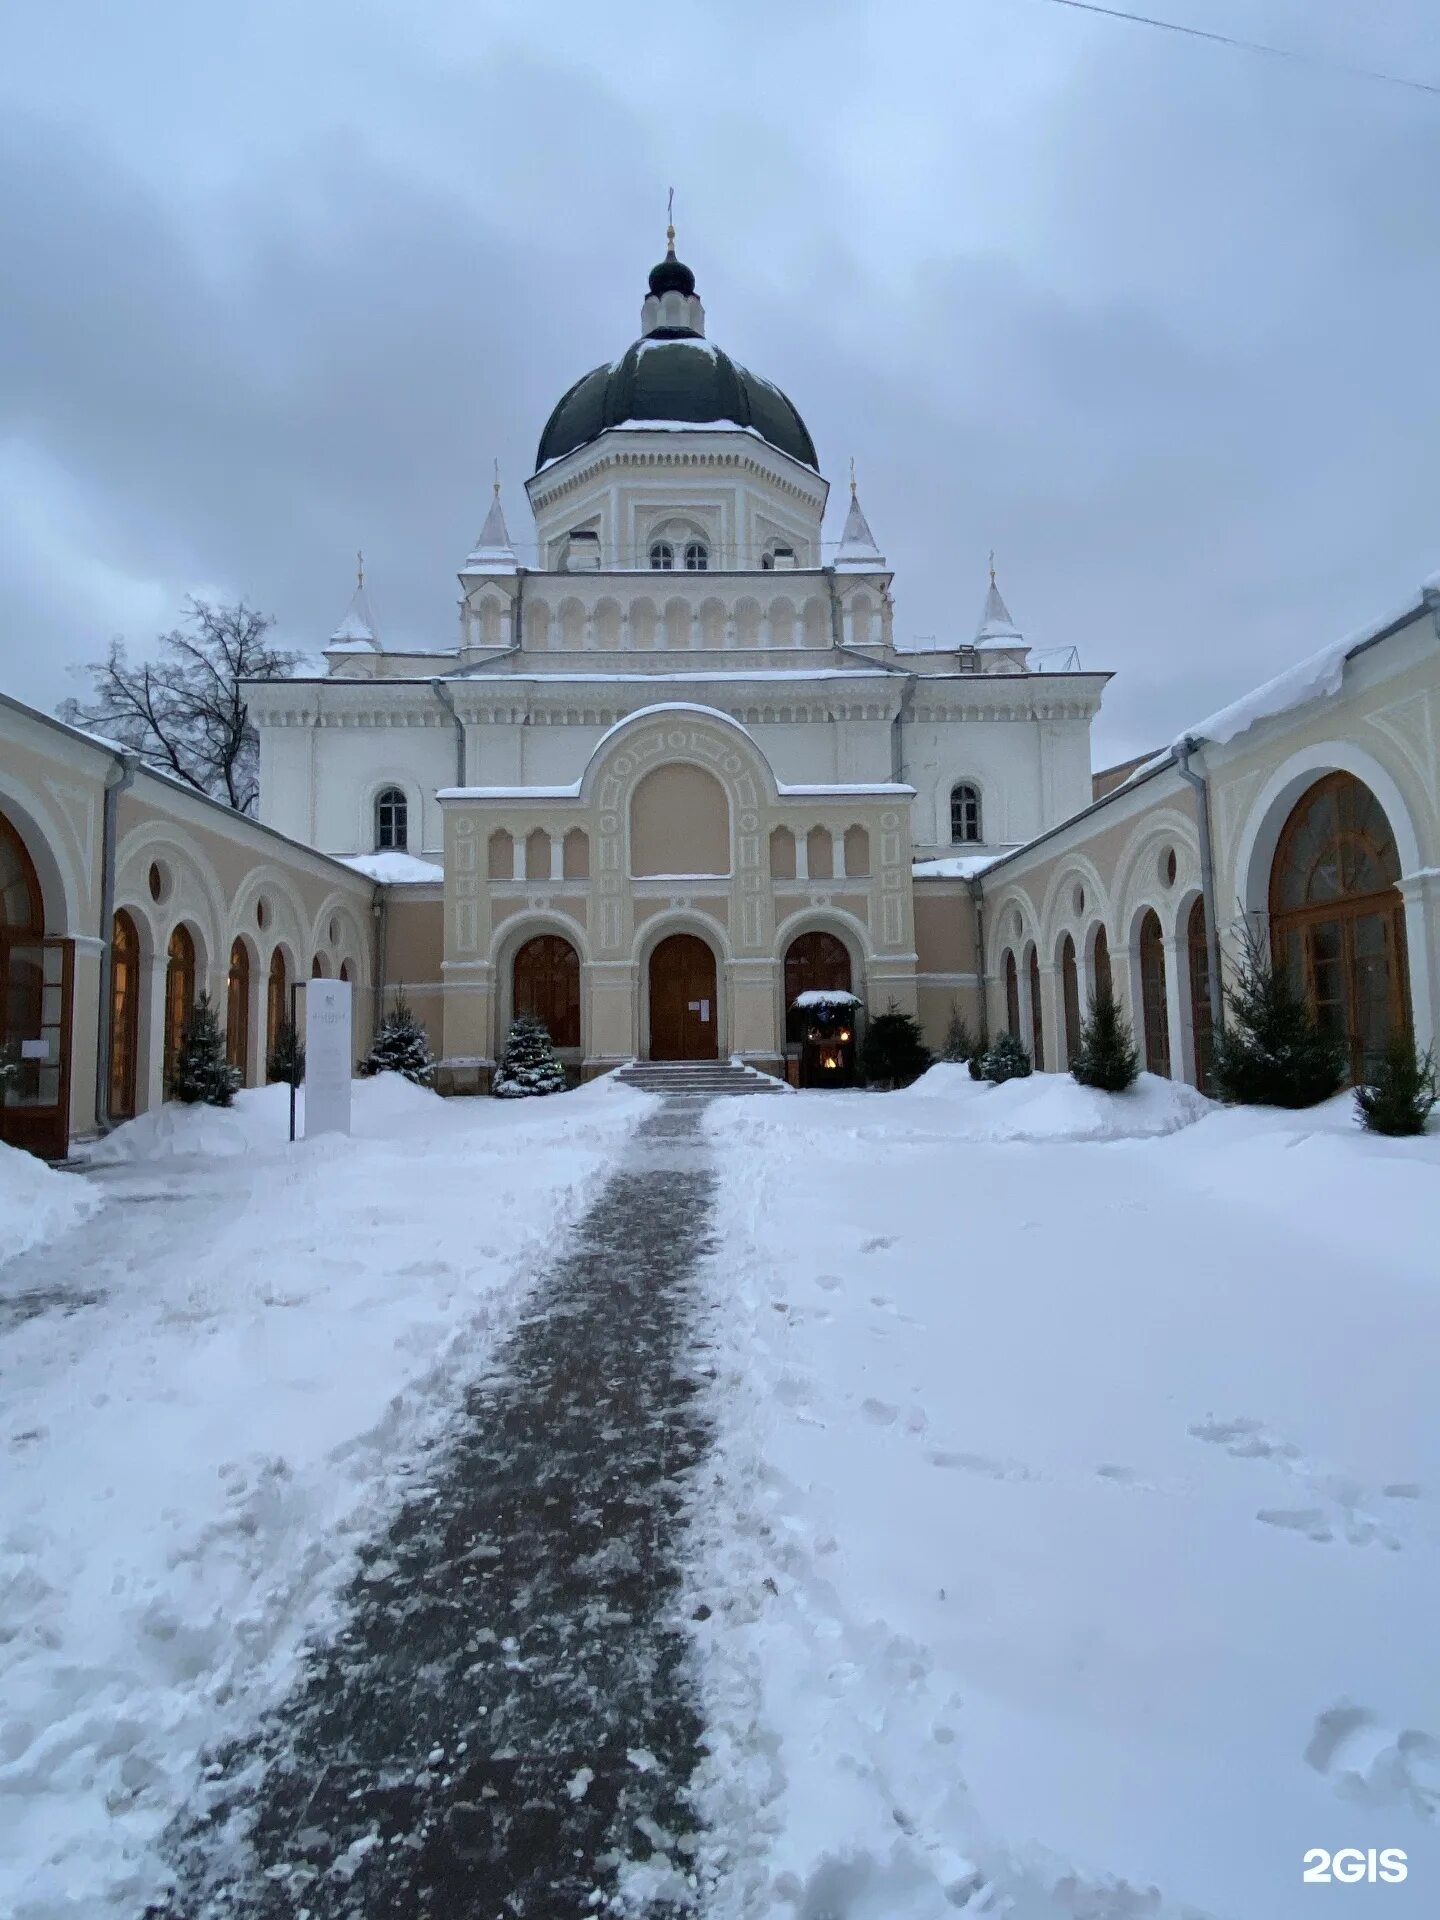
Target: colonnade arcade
1333,915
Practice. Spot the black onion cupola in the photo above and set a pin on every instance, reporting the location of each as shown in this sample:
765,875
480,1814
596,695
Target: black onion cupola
673,376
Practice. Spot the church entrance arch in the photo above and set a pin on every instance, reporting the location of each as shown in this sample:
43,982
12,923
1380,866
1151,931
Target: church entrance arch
684,1010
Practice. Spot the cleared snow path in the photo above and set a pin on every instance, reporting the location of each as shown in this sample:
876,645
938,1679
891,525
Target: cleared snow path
506,1722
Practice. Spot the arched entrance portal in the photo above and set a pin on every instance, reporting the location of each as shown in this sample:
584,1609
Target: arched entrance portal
684,1016
124,1015
1337,921
547,986
814,963
36,983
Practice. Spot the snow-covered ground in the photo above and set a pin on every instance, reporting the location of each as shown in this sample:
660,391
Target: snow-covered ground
36,1203
261,1338
1072,1541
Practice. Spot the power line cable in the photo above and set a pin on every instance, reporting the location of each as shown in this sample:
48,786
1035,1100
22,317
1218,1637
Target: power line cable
1250,46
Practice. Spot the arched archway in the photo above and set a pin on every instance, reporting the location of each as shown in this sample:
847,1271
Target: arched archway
1070,997
1037,1017
1337,922
1012,996
275,1008
237,1008
1154,1008
684,1009
124,1015
546,985
36,985
814,962
179,998
1201,1024
1102,979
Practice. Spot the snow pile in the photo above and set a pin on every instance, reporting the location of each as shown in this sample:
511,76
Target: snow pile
954,866
1071,1536
36,1203
192,1460
395,869
1052,1106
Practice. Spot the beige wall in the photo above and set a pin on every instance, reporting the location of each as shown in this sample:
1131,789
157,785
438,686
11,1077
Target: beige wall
1110,865
220,875
617,914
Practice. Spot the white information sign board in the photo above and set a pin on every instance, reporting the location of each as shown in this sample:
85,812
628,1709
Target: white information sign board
329,1061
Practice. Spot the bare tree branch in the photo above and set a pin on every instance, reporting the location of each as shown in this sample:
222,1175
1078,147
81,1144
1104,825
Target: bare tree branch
185,712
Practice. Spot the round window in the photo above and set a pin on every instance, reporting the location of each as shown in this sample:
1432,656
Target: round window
262,913
158,881
1169,866
1077,899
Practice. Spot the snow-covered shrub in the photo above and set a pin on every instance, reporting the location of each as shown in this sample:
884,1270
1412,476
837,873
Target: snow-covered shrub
203,1076
1106,1057
401,1046
893,1052
1273,1052
286,1060
1399,1097
1006,1060
976,1062
528,1065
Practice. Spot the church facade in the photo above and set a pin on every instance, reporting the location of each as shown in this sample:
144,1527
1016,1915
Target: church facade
676,771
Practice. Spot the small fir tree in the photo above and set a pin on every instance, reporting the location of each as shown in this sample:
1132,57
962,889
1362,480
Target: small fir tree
959,1041
529,1065
401,1046
893,1053
1106,1057
1403,1090
976,1062
1272,1052
286,1062
203,1076
1006,1060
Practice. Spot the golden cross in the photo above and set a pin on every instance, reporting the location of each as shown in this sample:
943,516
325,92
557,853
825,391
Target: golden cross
992,566
670,218
359,569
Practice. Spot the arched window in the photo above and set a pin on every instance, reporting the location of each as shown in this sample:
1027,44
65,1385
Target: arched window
1070,994
1336,918
1152,996
179,998
662,557
782,854
697,556
392,821
275,1009
1037,1024
124,1015
964,814
547,985
767,563
345,970
814,962
317,967
1012,996
237,1008
1201,1034
20,908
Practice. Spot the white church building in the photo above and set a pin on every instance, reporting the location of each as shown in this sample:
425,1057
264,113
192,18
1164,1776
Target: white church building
643,771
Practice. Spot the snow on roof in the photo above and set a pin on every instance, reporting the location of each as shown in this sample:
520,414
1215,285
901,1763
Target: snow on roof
1314,678
357,626
649,679
996,623
825,997
956,866
395,869
680,340
492,552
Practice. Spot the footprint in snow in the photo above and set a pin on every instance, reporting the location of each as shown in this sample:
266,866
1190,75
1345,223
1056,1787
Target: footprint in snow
878,1244
1366,1760
980,1463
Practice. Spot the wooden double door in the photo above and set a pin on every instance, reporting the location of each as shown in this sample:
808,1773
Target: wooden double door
684,1012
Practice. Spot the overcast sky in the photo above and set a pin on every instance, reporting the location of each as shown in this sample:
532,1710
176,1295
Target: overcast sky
1156,320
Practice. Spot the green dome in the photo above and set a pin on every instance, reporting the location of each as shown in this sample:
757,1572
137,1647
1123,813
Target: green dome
673,374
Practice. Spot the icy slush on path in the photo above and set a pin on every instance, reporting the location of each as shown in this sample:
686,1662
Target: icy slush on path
1070,1541
192,1463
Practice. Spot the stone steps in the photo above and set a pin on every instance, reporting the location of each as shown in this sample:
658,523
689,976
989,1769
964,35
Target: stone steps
708,1078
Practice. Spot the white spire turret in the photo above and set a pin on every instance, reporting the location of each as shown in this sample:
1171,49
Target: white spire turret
857,543
357,627
492,552
996,627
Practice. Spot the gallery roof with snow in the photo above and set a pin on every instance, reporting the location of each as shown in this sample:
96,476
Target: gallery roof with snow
676,773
